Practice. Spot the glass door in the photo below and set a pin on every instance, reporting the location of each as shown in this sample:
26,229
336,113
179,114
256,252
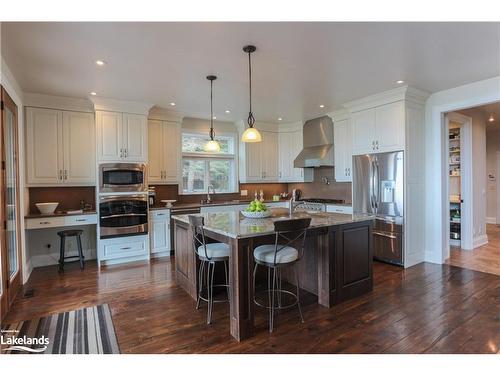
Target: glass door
11,253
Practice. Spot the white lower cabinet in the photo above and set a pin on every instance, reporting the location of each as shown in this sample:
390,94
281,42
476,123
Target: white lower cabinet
124,248
159,230
339,209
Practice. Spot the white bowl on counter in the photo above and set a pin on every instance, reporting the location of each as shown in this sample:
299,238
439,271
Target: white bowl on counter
47,208
168,202
256,215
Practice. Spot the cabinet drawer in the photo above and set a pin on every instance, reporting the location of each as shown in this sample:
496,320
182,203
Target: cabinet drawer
80,220
45,222
124,247
339,209
160,214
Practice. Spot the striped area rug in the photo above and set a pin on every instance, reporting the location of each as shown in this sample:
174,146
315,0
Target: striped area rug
86,331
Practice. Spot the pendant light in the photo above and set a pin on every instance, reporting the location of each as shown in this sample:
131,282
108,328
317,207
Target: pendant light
251,134
212,145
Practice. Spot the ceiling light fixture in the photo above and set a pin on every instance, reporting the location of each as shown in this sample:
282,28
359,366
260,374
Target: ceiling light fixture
228,111
212,145
93,93
251,134
400,82
172,104
321,106
279,119
100,62
491,119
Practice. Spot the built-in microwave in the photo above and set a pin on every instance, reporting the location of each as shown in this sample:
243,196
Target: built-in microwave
122,177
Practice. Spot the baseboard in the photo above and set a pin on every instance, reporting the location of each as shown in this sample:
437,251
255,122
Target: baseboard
50,259
413,259
491,220
161,254
480,241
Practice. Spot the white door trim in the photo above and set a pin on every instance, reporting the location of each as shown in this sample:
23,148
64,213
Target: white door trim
465,179
497,218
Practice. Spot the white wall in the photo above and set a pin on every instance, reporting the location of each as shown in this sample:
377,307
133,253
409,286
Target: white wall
204,125
466,96
10,84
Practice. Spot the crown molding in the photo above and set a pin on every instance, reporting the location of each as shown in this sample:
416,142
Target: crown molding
57,102
114,105
339,115
390,96
163,114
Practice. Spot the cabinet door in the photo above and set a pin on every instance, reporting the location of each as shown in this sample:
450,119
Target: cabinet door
253,161
109,136
297,143
44,146
343,150
156,165
363,131
270,156
79,148
171,149
390,124
160,236
286,149
135,137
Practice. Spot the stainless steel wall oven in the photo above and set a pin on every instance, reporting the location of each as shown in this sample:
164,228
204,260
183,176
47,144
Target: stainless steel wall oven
123,215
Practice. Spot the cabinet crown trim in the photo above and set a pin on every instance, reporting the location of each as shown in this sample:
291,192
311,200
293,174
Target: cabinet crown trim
113,105
163,114
387,97
61,103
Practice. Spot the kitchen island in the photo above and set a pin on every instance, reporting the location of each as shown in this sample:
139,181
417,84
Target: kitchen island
337,262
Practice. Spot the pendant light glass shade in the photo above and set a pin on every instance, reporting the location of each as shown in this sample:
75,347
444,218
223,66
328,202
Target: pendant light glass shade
250,134
212,145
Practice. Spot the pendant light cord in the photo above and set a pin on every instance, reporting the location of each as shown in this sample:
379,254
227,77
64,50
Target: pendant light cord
251,119
212,132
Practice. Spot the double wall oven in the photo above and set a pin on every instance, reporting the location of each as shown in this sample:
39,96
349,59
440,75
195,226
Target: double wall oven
123,200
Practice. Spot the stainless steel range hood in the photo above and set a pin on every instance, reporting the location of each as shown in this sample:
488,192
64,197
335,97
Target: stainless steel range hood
318,144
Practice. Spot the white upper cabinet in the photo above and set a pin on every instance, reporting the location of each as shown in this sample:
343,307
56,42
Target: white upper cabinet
164,151
286,149
60,147
135,134
121,137
253,159
342,139
79,147
270,156
379,129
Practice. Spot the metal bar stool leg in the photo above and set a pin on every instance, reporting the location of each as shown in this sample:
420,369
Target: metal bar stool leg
271,311
210,285
298,291
200,283
80,251
61,254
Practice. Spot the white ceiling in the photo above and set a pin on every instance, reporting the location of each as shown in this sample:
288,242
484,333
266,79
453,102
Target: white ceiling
297,66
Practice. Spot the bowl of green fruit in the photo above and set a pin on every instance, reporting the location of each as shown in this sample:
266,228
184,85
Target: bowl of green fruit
256,210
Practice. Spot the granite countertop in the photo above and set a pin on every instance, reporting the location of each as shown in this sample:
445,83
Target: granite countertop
235,225
199,205
58,213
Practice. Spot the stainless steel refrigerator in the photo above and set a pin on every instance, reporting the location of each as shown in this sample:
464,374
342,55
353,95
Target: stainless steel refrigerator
377,188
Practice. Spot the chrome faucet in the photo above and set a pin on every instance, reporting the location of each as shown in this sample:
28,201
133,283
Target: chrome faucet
292,207
209,198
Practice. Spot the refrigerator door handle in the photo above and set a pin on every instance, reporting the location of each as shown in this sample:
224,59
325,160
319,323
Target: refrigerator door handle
376,184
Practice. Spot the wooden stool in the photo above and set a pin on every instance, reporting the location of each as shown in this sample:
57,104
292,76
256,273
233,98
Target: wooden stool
62,257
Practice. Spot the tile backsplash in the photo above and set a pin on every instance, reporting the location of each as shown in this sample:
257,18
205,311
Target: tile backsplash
319,189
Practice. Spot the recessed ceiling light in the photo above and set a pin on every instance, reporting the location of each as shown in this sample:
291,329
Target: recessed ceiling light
321,106
279,119
228,111
491,119
215,117
100,62
400,82
172,104
93,93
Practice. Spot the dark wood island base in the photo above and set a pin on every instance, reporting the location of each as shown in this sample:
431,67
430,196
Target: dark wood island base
337,262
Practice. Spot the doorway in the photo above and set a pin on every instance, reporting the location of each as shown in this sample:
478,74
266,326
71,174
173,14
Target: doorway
10,250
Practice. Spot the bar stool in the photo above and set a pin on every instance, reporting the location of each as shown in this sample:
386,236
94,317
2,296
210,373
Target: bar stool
62,256
209,254
278,256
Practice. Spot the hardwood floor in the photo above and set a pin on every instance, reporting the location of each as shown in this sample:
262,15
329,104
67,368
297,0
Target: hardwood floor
485,258
427,308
